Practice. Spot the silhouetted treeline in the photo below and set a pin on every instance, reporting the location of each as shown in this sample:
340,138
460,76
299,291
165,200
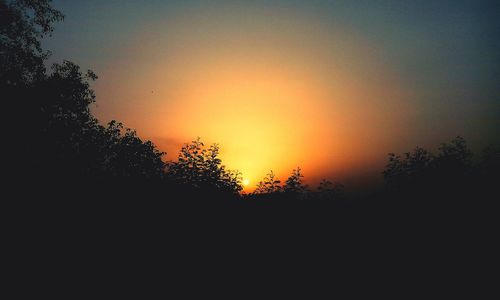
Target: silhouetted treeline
88,188
58,148
447,174
294,188
55,141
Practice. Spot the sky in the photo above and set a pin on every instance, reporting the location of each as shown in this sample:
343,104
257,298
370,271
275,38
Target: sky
330,86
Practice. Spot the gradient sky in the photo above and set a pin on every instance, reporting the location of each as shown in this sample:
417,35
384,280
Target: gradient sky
332,86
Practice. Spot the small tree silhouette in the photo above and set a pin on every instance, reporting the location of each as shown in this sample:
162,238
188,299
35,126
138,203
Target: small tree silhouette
201,167
454,156
329,190
294,183
270,184
401,170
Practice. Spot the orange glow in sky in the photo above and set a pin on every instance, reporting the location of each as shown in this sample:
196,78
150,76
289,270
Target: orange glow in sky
275,91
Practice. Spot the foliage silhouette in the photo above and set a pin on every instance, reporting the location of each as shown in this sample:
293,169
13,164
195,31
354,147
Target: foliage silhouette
293,185
23,24
270,188
454,158
328,190
410,167
270,184
107,183
201,167
71,141
447,179
68,144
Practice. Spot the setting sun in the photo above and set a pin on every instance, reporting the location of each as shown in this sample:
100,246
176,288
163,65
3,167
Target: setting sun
287,128
276,97
330,87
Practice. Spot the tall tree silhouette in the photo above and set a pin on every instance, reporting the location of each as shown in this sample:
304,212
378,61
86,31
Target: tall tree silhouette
70,139
23,24
55,134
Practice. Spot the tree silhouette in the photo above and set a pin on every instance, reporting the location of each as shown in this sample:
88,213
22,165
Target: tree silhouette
23,24
294,184
413,165
270,184
329,190
201,167
71,140
449,171
126,155
56,135
454,157
54,139
269,188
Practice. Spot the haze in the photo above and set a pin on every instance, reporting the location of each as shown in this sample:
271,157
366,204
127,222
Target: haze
330,86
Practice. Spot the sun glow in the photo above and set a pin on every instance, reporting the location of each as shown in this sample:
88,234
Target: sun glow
291,93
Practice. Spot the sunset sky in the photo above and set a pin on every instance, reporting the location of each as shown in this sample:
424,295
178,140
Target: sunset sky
330,86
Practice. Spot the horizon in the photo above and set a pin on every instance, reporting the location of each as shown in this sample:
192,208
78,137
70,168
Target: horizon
331,87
